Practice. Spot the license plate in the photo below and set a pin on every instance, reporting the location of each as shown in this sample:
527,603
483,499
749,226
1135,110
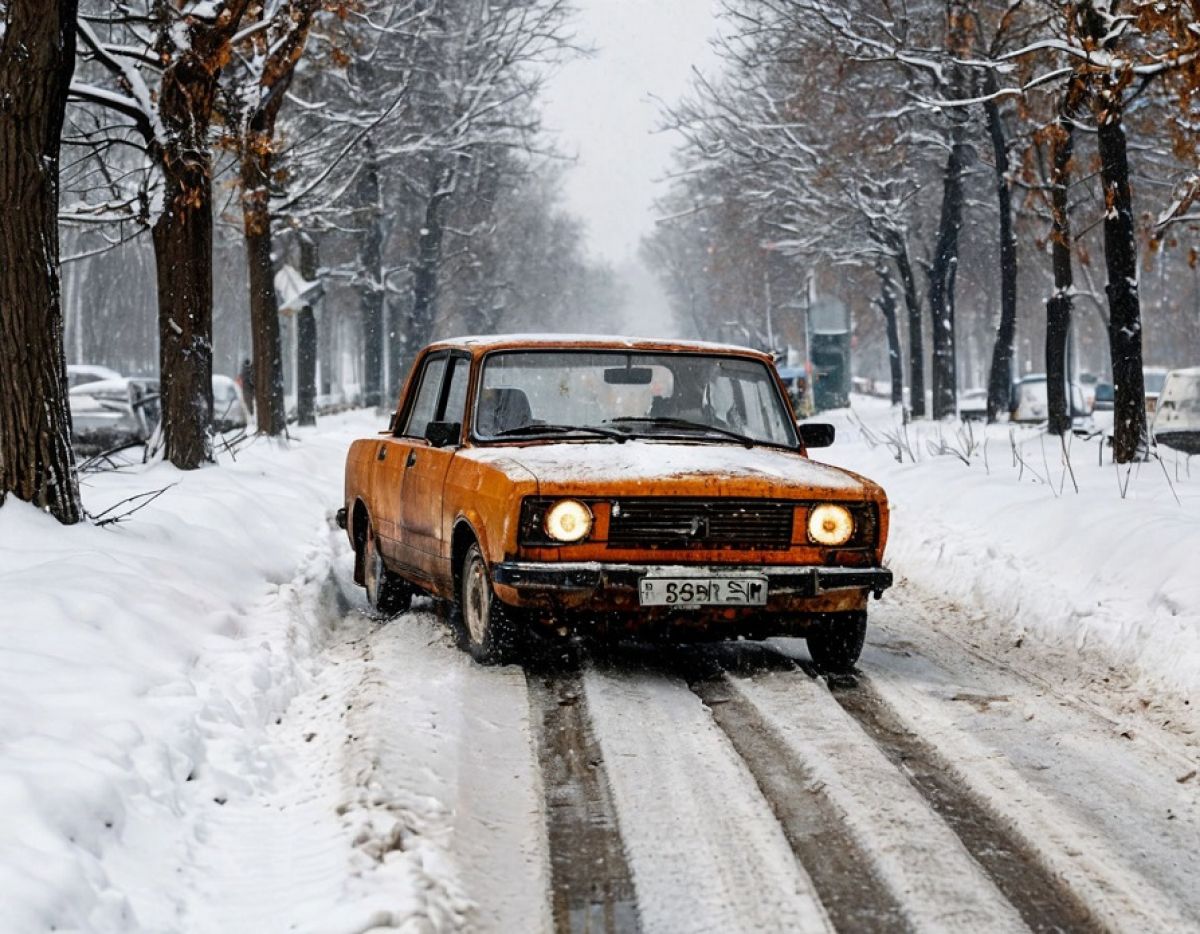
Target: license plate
702,591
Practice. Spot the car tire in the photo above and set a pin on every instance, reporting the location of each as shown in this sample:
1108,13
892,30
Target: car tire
837,642
487,627
387,593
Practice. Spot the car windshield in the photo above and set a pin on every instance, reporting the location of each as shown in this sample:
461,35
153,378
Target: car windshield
620,394
1154,380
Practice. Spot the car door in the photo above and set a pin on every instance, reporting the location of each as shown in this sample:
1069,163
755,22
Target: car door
395,455
422,511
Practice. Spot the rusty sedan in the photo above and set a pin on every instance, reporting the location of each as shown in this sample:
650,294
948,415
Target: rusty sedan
613,488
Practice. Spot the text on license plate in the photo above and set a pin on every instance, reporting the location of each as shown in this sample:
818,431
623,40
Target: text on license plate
703,591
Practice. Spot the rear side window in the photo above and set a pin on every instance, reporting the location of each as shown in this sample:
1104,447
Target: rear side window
429,390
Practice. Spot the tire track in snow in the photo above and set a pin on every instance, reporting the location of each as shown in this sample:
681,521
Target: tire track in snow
910,851
1074,867
450,752
591,886
848,885
706,851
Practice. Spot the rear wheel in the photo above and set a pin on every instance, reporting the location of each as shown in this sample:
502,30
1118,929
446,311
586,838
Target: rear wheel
837,642
488,627
387,593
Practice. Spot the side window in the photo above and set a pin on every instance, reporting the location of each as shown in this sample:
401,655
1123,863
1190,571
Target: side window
429,390
456,395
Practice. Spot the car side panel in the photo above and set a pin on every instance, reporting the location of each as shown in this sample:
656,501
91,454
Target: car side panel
422,530
387,488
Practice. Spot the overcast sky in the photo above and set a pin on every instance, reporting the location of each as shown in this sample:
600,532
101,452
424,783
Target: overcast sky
602,110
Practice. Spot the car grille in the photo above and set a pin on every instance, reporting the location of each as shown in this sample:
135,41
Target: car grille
693,523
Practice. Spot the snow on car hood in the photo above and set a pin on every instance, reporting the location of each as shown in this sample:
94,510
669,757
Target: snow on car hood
719,469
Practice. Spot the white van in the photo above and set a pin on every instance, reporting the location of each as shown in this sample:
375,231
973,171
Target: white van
1177,415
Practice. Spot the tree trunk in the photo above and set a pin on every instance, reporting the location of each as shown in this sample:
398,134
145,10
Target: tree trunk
1130,432
269,404
183,258
1000,374
916,341
370,288
306,339
418,330
425,278
1058,305
887,305
37,59
182,237
941,278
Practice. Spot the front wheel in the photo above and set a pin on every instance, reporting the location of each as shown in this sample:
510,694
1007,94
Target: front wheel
487,624
387,593
837,642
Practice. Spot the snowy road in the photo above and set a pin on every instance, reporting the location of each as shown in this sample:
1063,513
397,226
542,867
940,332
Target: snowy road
727,788
250,751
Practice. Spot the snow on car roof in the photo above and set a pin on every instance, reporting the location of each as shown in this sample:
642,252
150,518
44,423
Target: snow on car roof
493,341
105,385
106,372
100,385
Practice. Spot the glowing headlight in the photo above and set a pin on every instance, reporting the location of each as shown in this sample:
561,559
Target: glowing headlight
830,525
568,521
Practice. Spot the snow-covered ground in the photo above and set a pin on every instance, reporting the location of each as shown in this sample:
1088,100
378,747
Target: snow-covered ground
201,729
1055,548
156,686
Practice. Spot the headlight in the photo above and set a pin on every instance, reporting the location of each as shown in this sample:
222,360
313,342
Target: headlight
568,521
830,525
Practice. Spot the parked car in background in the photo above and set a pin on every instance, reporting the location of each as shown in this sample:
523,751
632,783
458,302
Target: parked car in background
613,487
80,373
1177,415
107,413
972,405
1154,378
1030,402
229,408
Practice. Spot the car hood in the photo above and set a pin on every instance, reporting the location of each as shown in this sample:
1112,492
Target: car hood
666,468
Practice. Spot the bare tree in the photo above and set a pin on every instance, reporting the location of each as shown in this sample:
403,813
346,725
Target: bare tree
266,54
163,64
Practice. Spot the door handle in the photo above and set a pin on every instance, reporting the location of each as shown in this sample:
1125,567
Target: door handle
382,455
412,459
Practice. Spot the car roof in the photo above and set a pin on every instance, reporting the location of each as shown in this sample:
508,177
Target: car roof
93,369
100,385
1191,371
487,343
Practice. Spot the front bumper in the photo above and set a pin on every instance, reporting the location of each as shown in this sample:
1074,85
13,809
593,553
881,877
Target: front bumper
586,579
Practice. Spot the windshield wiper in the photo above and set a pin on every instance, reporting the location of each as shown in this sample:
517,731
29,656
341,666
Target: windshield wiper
668,422
521,430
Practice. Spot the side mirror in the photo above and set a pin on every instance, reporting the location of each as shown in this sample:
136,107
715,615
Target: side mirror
443,434
817,434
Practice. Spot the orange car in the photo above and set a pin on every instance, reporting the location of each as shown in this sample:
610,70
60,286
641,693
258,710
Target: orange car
603,486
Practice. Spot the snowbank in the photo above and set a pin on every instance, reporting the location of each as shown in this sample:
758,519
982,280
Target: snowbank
141,665
991,518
